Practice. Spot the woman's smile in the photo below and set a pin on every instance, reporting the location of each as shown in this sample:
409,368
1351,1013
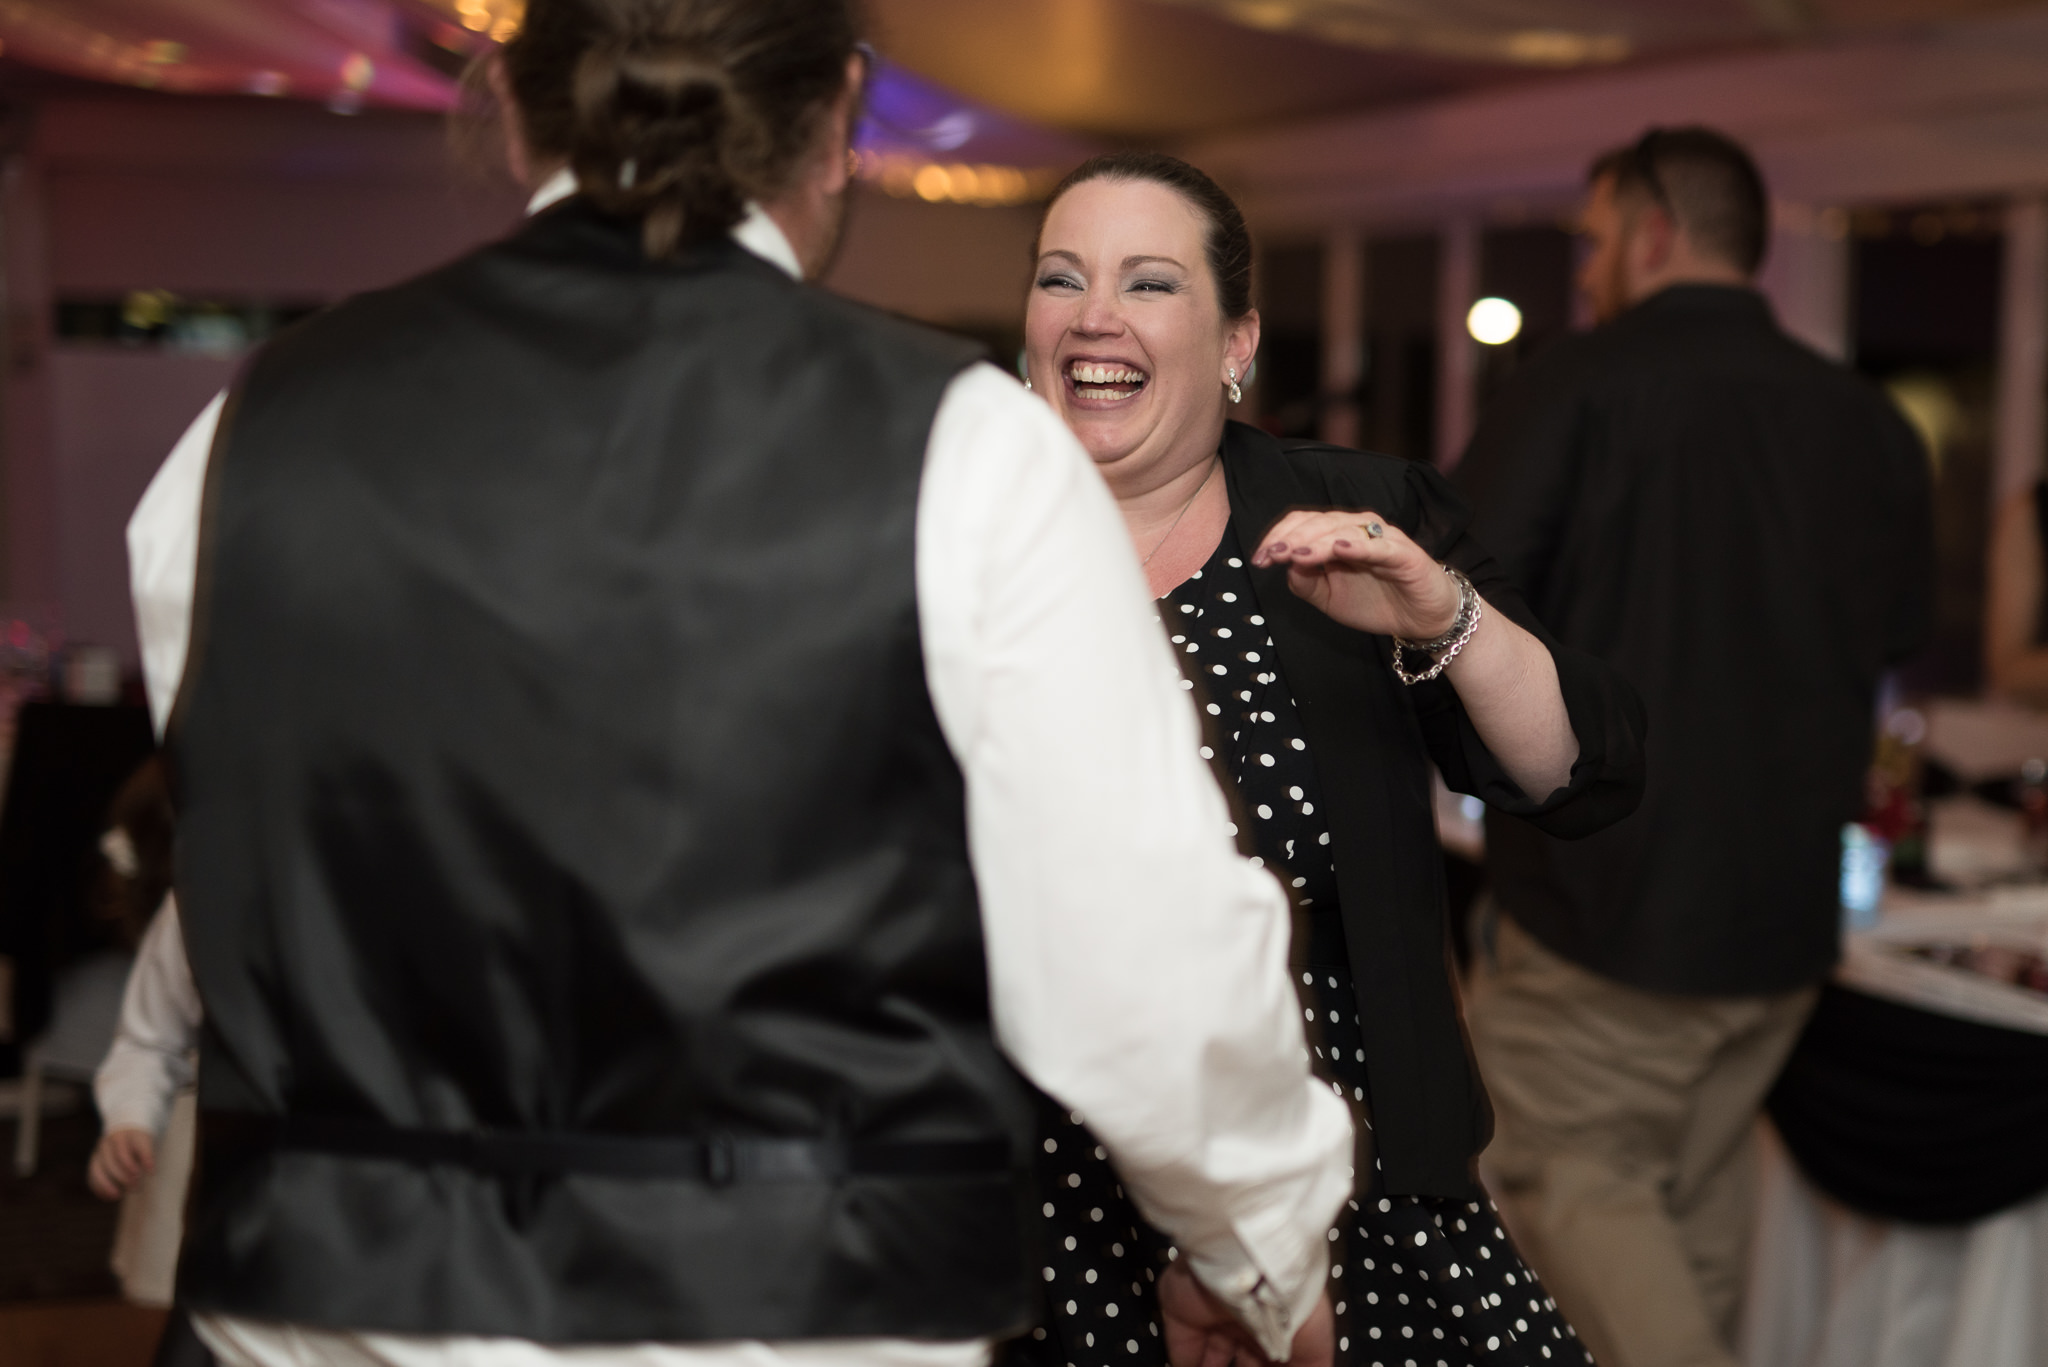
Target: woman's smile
1100,384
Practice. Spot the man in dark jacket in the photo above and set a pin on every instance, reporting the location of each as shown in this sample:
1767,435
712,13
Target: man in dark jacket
1742,528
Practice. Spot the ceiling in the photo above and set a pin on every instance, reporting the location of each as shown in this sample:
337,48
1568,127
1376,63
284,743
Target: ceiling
1116,70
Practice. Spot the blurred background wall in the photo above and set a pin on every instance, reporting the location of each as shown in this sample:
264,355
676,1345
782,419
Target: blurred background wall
179,179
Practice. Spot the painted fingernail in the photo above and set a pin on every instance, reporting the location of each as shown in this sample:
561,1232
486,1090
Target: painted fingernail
1344,542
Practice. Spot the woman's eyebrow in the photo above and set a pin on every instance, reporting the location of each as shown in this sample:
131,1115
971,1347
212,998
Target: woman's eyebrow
1066,256
1131,261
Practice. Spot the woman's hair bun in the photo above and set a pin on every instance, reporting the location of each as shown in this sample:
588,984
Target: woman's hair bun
677,112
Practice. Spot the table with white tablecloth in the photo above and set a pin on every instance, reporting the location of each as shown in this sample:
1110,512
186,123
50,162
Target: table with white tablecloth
1831,1287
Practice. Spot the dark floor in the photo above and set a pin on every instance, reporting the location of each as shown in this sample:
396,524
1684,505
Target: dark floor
54,1234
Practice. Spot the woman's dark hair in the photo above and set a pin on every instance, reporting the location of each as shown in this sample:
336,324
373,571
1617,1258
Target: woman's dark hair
1228,242
1703,179
135,853
677,112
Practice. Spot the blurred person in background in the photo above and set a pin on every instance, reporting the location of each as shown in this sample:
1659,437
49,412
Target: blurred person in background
143,1089
1743,529
659,745
1335,654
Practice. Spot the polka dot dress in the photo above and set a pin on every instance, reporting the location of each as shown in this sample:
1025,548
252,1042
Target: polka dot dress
1415,1281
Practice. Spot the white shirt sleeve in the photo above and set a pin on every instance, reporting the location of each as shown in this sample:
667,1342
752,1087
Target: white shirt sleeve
163,560
152,1055
1137,964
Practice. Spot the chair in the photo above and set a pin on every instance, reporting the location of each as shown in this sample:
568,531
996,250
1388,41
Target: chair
85,1009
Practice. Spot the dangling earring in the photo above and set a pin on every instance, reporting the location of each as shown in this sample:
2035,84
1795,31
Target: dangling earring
1027,382
1236,394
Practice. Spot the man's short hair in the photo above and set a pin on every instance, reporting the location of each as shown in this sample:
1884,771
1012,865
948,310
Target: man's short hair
1704,180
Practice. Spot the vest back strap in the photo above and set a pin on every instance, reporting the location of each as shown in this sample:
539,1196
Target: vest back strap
716,1161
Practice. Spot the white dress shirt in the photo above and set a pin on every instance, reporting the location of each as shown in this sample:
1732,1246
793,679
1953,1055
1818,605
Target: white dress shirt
150,1059
1137,965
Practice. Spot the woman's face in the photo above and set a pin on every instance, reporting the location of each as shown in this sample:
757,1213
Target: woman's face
1123,334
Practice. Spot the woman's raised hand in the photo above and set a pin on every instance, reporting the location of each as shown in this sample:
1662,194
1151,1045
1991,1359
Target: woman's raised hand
1364,572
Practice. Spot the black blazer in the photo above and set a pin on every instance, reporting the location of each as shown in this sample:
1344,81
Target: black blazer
1373,740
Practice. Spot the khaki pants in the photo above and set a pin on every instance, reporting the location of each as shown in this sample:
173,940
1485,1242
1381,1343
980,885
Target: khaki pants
1623,1155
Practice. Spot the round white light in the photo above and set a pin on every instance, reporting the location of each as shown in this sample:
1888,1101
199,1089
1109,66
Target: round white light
1494,321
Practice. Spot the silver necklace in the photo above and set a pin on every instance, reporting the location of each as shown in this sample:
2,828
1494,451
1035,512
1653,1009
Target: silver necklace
1214,461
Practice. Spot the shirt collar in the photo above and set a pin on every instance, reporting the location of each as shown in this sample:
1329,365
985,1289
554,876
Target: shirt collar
757,232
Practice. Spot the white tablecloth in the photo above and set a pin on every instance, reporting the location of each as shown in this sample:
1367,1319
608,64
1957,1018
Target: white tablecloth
1830,1288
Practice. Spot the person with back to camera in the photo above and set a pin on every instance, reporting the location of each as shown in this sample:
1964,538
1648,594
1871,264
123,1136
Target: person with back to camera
1742,528
626,809
1290,620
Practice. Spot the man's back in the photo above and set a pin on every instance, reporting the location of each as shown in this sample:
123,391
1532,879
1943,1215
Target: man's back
1741,527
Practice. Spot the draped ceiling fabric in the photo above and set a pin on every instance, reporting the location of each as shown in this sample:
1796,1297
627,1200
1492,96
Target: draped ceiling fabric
1008,70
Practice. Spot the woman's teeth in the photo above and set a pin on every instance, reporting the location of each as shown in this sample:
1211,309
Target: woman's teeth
1105,381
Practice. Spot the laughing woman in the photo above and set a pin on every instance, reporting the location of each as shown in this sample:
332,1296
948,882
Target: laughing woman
1335,655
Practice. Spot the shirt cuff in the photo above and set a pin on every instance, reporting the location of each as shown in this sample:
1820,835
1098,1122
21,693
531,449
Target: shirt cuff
1273,1307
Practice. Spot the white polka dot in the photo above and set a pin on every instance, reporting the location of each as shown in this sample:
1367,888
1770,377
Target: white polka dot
1256,620
1052,1146
1295,793
1089,1276
1223,632
1101,1154
1213,710
1071,1307
1265,812
1298,744
1207,753
1521,1326
1492,1344
1385,1205
1421,1239
1323,839
1048,1210
1333,1236
1048,1274
1073,1179
1253,656
1187,607
1130,1345
1454,1269
1070,1243
1266,760
1308,809
1373,1330
1216,669
1407,1331
1301,882
1110,1309
1234,563
1117,1251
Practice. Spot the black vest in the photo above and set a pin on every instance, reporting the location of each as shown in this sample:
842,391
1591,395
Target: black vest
571,863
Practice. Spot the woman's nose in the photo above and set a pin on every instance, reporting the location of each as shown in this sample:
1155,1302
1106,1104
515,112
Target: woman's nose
1099,315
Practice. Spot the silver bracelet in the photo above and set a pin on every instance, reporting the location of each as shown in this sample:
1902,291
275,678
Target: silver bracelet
1451,642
